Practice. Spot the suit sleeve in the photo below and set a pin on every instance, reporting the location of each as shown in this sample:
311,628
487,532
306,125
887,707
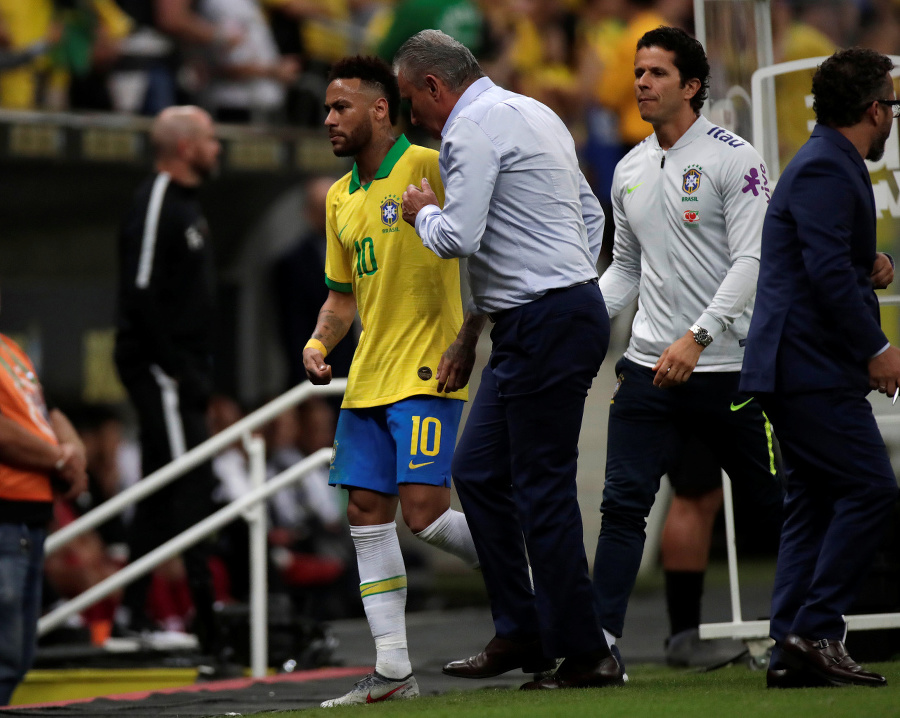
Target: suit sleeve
621,281
825,210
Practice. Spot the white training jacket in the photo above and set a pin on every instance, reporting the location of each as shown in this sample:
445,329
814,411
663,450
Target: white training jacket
688,228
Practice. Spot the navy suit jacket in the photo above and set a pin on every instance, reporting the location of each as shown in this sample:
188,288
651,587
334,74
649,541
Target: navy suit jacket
816,321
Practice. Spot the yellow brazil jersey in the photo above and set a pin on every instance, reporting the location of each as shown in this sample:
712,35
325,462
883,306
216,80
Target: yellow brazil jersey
408,298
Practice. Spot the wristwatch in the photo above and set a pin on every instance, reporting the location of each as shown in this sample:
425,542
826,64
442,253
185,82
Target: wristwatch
701,336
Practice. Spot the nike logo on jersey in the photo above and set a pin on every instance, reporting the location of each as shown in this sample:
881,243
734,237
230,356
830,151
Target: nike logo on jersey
629,190
740,406
418,466
387,695
342,229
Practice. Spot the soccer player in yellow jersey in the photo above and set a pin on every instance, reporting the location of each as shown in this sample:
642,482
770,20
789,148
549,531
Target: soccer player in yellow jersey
397,429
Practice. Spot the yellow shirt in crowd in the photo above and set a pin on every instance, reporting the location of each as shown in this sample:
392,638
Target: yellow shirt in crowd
615,88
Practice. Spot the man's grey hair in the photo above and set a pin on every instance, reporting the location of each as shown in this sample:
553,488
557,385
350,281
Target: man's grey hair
432,52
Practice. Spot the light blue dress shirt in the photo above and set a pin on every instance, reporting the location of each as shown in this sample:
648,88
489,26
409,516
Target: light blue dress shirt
517,205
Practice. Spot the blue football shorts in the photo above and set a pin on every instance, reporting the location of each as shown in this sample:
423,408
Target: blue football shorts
408,442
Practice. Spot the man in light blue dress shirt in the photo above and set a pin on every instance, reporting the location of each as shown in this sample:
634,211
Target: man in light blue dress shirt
519,208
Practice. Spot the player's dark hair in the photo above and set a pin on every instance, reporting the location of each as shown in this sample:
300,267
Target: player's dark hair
847,83
374,72
690,58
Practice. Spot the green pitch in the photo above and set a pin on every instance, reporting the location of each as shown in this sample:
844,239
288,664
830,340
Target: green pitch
653,691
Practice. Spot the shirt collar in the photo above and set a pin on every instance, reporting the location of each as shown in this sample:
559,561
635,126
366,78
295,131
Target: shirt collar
700,126
387,164
472,91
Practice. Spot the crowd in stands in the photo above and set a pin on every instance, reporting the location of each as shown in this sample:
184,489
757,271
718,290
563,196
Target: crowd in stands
266,60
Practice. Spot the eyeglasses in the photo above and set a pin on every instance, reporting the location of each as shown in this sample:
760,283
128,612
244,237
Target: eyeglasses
893,104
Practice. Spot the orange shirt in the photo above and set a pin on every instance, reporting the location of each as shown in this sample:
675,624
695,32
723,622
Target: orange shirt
22,400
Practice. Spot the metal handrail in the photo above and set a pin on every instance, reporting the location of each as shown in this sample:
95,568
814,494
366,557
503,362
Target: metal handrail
203,452
249,505
184,540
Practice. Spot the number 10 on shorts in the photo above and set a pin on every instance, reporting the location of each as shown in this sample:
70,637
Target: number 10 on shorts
426,436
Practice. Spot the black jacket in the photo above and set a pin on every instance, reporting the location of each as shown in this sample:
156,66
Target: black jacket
166,299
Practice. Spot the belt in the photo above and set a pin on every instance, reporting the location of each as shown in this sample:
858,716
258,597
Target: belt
595,280
497,315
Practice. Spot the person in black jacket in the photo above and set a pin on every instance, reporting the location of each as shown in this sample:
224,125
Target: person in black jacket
166,309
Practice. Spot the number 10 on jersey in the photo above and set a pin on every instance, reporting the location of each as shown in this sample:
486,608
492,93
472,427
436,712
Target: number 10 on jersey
365,257
426,436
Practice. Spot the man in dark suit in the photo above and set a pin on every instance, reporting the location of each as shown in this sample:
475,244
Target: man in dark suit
814,350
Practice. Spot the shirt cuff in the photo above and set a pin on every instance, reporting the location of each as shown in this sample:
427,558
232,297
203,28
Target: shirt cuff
424,213
470,308
881,351
711,324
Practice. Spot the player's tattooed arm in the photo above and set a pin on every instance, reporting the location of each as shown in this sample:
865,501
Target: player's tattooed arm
335,319
331,328
456,364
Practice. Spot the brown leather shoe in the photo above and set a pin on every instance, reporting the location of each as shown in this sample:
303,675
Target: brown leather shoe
828,659
582,673
499,656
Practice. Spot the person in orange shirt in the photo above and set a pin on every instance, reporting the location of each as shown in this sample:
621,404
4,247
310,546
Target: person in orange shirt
40,453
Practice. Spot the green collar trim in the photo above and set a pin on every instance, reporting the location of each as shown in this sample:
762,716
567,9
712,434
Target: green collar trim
387,164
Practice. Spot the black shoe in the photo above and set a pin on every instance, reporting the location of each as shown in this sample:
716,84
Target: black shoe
582,673
499,656
614,649
829,661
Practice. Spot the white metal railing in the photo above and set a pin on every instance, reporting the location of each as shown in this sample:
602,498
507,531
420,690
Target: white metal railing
251,505
762,110
749,630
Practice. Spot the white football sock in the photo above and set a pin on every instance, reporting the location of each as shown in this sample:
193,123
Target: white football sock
610,638
382,585
450,532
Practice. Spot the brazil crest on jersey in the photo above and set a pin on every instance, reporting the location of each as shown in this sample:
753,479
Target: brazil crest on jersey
408,298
